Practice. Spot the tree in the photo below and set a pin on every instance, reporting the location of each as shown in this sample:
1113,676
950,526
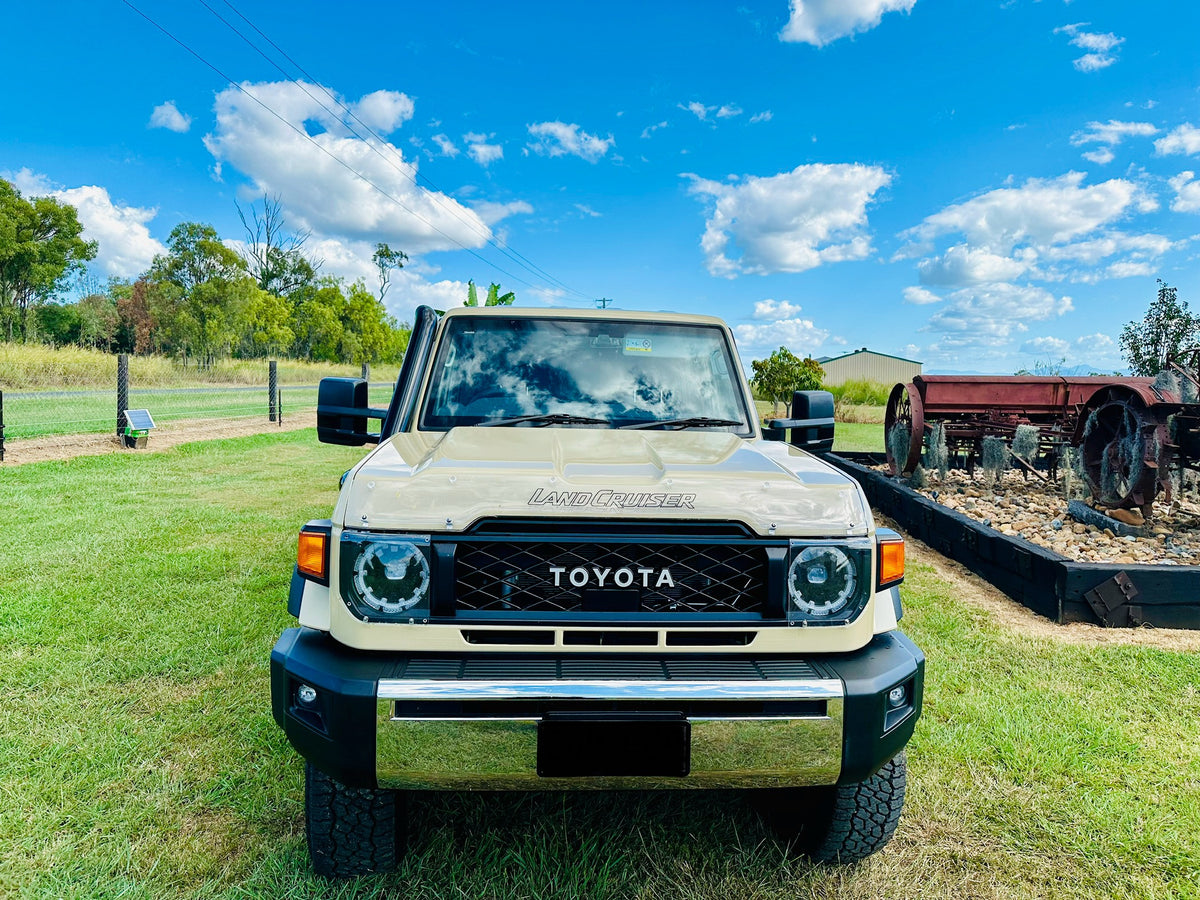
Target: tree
494,297
274,256
782,373
386,259
41,245
213,291
1167,328
98,321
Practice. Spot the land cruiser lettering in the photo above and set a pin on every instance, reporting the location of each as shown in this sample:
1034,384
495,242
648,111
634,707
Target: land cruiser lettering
611,498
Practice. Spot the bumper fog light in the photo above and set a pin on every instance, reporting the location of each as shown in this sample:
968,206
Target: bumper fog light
897,696
306,694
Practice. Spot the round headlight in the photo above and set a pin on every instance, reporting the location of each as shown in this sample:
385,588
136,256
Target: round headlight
821,581
391,577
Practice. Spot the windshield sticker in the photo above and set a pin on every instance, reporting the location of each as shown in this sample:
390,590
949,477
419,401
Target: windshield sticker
635,344
612,499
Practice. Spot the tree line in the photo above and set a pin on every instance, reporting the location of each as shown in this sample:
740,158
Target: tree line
200,300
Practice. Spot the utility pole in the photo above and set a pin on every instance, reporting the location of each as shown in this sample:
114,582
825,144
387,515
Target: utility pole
602,303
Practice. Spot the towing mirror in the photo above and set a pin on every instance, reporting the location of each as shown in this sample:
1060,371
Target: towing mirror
812,427
342,412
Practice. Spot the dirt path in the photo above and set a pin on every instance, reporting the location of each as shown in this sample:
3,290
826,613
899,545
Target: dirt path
67,446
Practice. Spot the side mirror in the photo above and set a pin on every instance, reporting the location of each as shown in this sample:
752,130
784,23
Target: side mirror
342,412
812,427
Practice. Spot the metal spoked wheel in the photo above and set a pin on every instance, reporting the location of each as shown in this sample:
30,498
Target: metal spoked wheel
1120,447
906,408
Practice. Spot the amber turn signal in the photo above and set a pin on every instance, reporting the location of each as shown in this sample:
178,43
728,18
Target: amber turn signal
312,555
891,559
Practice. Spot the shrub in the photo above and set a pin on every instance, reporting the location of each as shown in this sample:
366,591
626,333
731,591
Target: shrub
937,454
898,440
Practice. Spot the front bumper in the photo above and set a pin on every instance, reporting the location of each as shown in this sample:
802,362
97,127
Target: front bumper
473,722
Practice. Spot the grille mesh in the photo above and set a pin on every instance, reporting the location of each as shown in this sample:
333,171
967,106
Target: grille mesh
516,576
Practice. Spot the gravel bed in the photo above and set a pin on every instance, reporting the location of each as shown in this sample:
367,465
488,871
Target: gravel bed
1036,511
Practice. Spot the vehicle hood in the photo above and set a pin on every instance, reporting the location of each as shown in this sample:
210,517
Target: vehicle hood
446,482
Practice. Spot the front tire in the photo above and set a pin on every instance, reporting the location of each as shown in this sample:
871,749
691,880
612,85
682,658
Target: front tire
845,823
351,831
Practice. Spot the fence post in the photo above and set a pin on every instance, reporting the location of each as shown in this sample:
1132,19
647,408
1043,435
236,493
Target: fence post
122,389
272,389
366,371
1,426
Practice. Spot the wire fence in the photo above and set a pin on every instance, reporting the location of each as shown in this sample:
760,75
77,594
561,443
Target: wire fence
72,409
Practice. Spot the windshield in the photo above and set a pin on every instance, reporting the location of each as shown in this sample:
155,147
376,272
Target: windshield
489,370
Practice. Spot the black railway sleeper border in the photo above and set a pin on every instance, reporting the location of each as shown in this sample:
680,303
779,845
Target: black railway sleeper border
1053,586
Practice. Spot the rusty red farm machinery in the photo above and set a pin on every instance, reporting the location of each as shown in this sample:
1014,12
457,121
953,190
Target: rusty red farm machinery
1133,436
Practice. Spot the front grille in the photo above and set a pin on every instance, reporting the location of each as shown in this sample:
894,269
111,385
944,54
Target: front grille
703,578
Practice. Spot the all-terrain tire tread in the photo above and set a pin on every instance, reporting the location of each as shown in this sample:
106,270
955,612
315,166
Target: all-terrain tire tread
350,831
865,814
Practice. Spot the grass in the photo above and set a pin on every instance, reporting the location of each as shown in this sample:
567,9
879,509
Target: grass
860,431
139,599
70,390
37,367
29,415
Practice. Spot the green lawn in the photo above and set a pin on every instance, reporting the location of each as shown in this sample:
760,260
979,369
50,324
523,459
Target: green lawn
140,595
36,414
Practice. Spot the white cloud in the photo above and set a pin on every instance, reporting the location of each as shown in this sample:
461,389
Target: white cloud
1187,192
728,111
699,110
1109,134
992,313
1046,346
918,296
167,115
1099,46
410,287
1050,230
774,310
494,212
1101,156
765,116
1095,341
1039,213
445,145
650,129
482,152
962,264
561,139
1183,140
316,174
800,336
383,111
789,222
819,22
587,211
125,247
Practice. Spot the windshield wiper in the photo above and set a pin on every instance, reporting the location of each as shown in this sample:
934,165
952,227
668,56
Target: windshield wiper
546,419
690,422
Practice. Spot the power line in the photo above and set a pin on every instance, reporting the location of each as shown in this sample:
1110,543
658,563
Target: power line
433,191
332,156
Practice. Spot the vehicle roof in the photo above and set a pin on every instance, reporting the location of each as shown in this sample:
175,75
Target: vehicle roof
556,312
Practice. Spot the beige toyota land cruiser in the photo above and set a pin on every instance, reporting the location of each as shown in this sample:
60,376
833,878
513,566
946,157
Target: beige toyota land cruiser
575,560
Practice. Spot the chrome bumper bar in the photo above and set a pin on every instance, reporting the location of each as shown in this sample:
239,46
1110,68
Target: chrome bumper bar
457,734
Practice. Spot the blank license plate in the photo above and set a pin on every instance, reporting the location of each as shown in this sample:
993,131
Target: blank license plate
577,746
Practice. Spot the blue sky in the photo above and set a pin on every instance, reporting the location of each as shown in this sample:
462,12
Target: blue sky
979,186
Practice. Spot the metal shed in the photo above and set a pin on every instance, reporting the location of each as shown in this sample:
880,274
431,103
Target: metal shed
867,365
